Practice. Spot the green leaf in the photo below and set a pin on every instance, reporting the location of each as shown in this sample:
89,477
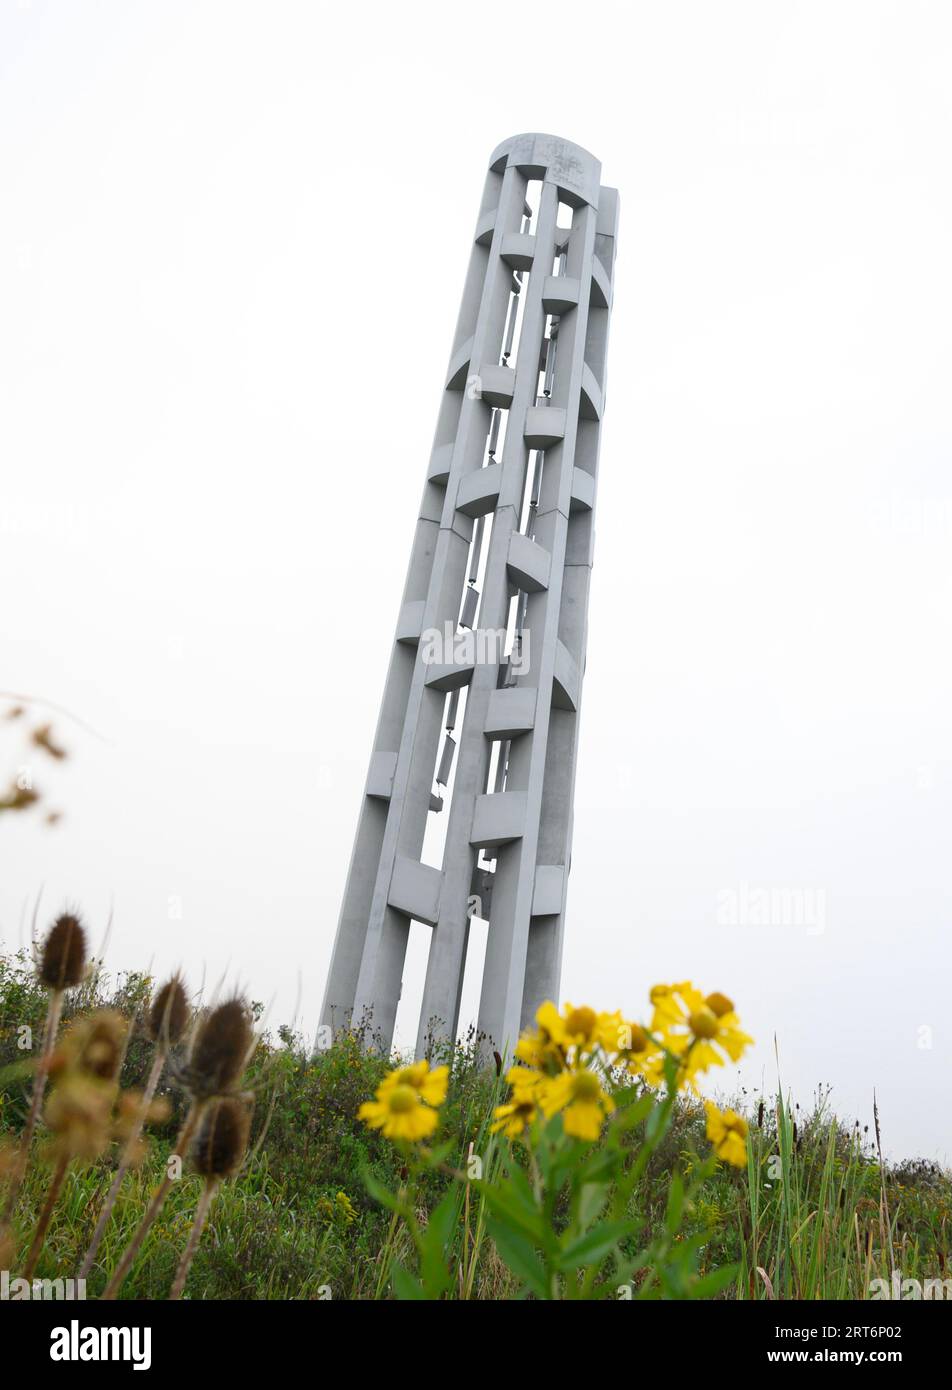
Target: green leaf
433,1265
507,1203
517,1252
404,1284
631,1111
675,1205
599,1167
710,1284
522,1188
438,1153
591,1203
381,1193
592,1247
658,1122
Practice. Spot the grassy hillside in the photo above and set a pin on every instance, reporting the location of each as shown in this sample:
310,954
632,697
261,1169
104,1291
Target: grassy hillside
811,1214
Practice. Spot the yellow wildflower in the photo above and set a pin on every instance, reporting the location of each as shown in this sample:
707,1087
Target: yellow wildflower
581,1098
700,1030
632,1043
525,1079
668,1010
515,1116
561,1039
405,1102
430,1085
346,1207
640,1054
545,1046
727,1131
583,1028
532,1048
580,1025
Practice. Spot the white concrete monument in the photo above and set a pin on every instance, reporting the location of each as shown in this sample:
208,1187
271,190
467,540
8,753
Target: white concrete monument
480,711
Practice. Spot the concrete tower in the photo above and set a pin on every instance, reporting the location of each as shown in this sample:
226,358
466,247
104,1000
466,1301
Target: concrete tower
478,726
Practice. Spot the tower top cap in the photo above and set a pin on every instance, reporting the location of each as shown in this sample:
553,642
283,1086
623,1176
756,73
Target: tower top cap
554,160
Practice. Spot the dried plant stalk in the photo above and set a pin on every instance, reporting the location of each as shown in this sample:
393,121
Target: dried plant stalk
53,1011
209,1189
185,1137
42,1225
125,1162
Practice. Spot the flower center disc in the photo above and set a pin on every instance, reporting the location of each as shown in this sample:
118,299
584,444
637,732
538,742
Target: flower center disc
703,1023
402,1099
585,1086
581,1021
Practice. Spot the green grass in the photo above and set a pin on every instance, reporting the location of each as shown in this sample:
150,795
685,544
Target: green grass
814,1216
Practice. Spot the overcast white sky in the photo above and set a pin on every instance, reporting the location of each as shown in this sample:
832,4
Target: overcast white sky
214,217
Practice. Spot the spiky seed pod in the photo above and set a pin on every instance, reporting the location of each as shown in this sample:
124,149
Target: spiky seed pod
222,1140
221,1048
64,953
43,738
78,1113
19,798
168,1017
96,1045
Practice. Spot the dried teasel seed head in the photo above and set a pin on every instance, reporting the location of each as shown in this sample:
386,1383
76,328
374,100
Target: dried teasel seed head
63,962
168,1017
95,1046
19,798
43,738
221,1048
78,1114
222,1139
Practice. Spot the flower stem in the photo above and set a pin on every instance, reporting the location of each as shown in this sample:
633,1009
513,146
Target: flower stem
53,1011
39,1235
386,1255
194,1237
155,1206
126,1160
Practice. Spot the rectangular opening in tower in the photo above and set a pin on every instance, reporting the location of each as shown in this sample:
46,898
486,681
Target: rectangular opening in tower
472,978
411,997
